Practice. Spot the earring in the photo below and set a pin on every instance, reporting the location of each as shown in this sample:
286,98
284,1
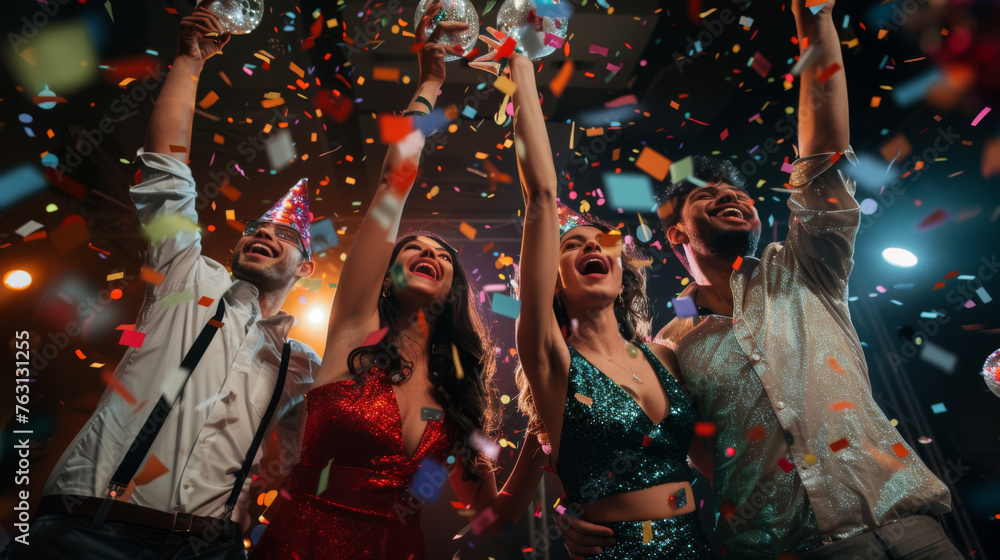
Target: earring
386,289
620,299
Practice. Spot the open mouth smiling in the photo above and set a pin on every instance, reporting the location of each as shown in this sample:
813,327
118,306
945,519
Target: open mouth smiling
593,265
426,268
260,248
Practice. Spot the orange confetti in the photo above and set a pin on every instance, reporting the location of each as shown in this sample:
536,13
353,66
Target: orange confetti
150,276
151,471
384,74
269,103
828,73
558,84
737,263
834,365
467,230
839,444
653,163
842,405
209,100
205,301
108,379
584,399
80,354
900,449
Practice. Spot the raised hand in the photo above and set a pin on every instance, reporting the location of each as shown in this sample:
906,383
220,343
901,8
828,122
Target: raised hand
488,62
431,55
200,36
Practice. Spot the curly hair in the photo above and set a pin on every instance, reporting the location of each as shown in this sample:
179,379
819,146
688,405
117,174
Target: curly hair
670,198
631,311
471,403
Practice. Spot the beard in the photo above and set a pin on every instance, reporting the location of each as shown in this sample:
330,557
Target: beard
725,243
266,278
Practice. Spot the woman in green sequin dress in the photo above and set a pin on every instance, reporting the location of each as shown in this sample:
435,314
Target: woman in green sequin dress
618,425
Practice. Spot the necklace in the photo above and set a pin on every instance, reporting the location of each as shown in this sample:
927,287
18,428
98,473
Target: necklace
612,361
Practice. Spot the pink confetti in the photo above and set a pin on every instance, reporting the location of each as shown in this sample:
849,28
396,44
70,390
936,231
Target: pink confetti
787,167
597,49
554,40
980,116
132,338
623,100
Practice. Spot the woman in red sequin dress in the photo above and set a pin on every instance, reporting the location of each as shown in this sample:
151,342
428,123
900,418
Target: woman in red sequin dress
405,380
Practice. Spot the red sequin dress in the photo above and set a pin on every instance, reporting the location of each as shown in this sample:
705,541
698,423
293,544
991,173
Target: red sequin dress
363,512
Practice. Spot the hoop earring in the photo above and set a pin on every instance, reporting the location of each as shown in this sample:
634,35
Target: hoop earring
386,289
620,300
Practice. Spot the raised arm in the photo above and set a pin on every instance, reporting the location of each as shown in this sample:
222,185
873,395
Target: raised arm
354,314
167,189
823,111
169,130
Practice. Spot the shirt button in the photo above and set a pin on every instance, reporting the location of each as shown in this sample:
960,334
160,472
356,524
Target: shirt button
780,405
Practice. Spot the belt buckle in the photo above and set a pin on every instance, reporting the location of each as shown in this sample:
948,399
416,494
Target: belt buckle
182,522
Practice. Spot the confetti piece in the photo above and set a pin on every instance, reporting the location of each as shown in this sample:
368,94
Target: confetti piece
629,191
839,444
558,84
427,413
681,170
152,470
934,219
939,408
20,182
811,459
505,85
900,449
980,116
737,263
216,324
428,480
597,49
756,433
150,276
384,74
842,405
685,307
786,465
653,163
760,65
485,445
704,429
29,227
205,301
467,230
505,305
324,235
116,276
324,478
168,225
834,365
375,336
178,298
584,399
209,100
806,59
69,236
117,387
457,360
132,338
483,520
938,357
392,129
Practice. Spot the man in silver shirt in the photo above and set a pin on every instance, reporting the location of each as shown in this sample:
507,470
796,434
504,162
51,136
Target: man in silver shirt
802,459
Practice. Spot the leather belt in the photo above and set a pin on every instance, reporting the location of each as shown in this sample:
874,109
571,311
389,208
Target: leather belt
124,512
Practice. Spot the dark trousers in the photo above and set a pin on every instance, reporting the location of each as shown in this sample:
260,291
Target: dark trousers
912,538
57,536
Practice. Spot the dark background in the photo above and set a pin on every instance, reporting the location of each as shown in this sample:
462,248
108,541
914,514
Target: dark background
945,212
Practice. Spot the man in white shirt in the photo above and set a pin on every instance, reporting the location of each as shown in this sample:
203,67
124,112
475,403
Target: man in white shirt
179,501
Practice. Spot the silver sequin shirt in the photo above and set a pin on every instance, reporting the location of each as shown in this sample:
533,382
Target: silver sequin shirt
802,454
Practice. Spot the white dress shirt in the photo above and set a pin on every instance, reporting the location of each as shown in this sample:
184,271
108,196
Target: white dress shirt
211,425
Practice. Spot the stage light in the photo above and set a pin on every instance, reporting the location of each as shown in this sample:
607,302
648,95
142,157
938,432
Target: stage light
316,316
899,257
17,280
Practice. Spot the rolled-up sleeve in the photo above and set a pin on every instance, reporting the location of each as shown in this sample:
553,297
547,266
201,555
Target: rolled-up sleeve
824,221
166,198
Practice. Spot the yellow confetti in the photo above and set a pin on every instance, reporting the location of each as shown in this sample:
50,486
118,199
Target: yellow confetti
647,532
116,276
459,372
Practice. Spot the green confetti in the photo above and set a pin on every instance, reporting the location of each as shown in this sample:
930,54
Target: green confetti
398,276
179,297
168,225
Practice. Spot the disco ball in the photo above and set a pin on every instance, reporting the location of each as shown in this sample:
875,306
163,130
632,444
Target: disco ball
453,10
238,17
991,372
537,35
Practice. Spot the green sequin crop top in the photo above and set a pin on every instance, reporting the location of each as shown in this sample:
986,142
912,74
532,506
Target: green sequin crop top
609,446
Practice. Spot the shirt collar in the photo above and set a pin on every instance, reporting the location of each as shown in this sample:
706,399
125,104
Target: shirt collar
736,281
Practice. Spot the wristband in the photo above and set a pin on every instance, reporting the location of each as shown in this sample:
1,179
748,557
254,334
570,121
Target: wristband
420,99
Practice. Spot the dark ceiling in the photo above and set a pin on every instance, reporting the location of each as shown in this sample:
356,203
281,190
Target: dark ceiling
946,213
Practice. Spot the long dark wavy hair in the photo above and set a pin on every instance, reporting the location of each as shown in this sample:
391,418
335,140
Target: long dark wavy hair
471,403
631,311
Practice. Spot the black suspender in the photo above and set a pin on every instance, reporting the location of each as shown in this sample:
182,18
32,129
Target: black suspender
147,434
